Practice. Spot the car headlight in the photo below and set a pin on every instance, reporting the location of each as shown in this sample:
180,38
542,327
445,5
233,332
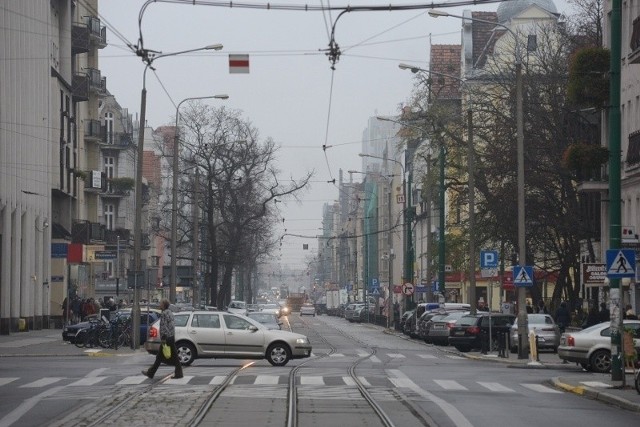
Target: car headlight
302,340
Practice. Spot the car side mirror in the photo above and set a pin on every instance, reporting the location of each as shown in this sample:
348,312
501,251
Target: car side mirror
253,328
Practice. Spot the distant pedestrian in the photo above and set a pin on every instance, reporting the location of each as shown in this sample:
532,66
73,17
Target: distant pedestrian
168,337
563,316
604,315
541,308
591,319
629,314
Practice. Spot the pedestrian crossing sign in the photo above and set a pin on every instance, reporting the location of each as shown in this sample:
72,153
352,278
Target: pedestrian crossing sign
522,275
621,263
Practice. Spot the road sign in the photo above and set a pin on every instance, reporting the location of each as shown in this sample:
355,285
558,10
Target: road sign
489,272
488,259
522,276
621,263
375,291
105,255
407,289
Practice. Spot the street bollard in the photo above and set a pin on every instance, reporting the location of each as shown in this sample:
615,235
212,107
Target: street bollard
533,340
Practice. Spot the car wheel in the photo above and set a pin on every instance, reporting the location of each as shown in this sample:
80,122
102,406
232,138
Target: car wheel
278,354
186,353
585,366
638,382
600,361
463,349
555,350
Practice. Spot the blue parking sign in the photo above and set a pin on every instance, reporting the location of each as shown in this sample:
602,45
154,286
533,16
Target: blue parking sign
488,259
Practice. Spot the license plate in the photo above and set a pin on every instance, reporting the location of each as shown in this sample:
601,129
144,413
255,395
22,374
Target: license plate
459,333
438,326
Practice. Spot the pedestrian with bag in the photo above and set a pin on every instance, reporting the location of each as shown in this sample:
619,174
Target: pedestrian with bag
168,338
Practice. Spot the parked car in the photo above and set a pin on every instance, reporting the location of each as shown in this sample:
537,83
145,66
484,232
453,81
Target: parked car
429,324
349,311
238,307
439,331
224,335
360,315
469,332
269,320
543,326
591,347
403,319
307,309
421,327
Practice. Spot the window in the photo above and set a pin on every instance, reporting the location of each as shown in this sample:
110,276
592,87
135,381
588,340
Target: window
181,319
109,216
109,170
206,321
236,323
108,124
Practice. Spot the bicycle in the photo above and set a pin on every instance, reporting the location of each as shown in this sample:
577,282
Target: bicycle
88,337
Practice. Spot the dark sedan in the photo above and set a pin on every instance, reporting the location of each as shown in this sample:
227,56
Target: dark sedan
471,330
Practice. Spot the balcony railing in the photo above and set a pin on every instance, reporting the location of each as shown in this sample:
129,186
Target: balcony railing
87,34
87,232
93,130
118,141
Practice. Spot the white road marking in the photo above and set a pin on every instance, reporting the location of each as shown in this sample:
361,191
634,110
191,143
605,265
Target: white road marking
4,381
374,359
396,356
26,406
42,382
364,381
348,381
336,355
311,380
267,379
87,381
450,385
427,356
180,381
96,372
217,380
496,387
133,380
458,419
540,388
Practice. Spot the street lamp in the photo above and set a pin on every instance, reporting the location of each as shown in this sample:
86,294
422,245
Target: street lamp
472,198
523,327
137,243
174,195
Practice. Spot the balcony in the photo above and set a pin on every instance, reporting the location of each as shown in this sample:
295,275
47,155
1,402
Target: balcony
595,180
632,161
92,130
95,182
125,236
87,233
88,34
634,57
117,141
87,83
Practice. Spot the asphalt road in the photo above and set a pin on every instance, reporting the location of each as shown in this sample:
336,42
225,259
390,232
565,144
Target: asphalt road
46,382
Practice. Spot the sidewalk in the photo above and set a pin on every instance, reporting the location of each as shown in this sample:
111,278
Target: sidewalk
48,342
574,380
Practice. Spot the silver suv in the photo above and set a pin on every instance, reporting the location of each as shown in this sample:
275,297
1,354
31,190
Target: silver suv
223,335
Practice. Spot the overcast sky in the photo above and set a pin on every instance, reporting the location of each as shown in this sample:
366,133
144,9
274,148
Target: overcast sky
291,94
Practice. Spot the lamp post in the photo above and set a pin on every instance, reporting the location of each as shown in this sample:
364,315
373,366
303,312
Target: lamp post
523,327
471,184
137,243
174,195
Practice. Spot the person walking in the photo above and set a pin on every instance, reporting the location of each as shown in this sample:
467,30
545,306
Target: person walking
168,337
603,315
563,317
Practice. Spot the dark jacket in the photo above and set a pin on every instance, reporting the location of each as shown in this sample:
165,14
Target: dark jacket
563,317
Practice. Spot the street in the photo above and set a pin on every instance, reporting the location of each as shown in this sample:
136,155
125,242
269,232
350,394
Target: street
409,381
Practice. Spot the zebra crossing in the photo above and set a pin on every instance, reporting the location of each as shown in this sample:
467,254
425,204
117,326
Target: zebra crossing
305,382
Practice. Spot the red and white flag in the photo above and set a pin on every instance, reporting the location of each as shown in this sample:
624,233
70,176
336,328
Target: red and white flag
238,64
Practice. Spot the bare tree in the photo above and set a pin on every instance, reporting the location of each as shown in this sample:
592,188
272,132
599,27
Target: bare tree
238,185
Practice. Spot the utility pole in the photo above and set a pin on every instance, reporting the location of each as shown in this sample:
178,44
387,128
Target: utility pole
472,214
617,369
196,239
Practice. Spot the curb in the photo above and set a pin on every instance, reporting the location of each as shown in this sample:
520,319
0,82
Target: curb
596,395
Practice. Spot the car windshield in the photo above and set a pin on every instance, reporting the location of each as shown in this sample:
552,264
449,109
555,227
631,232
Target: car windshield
270,306
536,319
438,317
455,316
